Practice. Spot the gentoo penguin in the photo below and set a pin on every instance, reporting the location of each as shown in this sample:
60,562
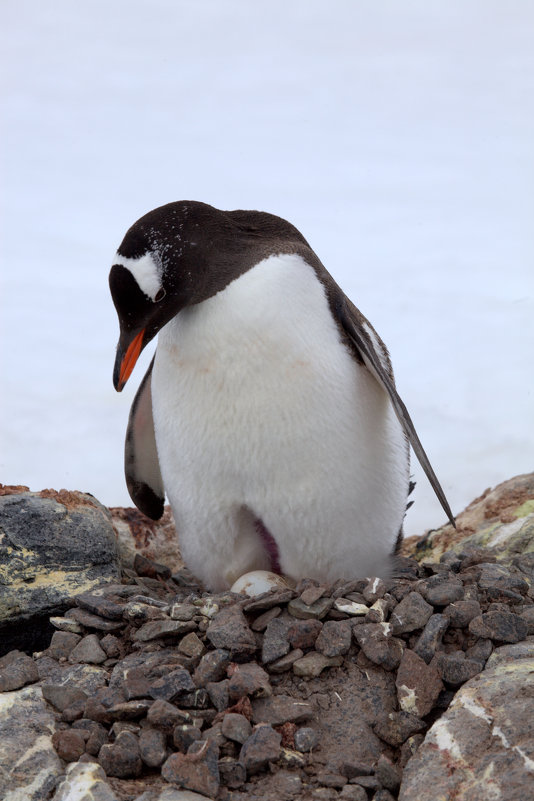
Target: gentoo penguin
269,413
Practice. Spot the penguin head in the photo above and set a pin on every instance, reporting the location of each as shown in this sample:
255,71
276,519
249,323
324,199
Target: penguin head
179,255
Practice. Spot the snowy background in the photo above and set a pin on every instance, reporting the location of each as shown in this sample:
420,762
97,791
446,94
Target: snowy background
397,136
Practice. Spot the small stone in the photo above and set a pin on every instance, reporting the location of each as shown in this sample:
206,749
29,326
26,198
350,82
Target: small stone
304,633
441,591
121,759
66,624
408,749
316,611
218,693
369,782
312,594
152,747
172,685
262,747
94,710
281,708
248,679
139,612
135,684
185,735
229,630
61,644
232,773
352,608
353,792
207,607
396,727
306,739
69,744
418,685
387,773
430,637
20,671
162,628
236,727
268,599
198,770
331,780
528,616
90,621
375,641
499,626
166,716
455,669
410,614
215,734
191,645
62,696
334,638
98,605
378,612
312,665
355,768
212,667
182,612
129,710
291,759
374,589
286,662
260,624
88,651
480,651
275,642
461,613
383,795
97,735
111,645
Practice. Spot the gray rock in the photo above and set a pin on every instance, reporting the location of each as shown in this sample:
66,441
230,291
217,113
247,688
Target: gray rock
88,651
281,709
387,773
304,633
378,645
261,622
286,662
69,546
152,747
500,626
185,735
455,668
418,684
16,670
312,665
62,695
229,630
461,613
236,727
84,781
442,590
334,638
155,629
61,644
396,727
172,685
410,614
29,765
121,758
262,747
317,610
232,772
275,642
166,716
198,770
248,679
218,693
100,605
306,739
191,645
484,740
430,638
212,667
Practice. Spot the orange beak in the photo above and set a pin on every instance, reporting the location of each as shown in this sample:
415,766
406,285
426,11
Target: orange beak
129,359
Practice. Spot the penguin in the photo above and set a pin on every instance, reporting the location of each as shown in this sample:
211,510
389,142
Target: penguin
269,414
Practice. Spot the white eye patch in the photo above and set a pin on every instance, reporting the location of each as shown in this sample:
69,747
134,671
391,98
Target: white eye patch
146,270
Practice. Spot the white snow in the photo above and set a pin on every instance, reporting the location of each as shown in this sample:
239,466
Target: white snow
399,133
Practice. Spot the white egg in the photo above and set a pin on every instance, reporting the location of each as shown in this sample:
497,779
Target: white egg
258,581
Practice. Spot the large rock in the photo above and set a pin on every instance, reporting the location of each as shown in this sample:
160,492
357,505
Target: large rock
154,539
53,546
482,747
29,765
501,518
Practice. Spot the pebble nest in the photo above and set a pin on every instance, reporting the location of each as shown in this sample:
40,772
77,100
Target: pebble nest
317,692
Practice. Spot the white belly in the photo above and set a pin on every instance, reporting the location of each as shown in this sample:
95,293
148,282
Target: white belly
260,412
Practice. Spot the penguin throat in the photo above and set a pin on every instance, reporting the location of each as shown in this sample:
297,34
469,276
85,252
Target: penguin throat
269,543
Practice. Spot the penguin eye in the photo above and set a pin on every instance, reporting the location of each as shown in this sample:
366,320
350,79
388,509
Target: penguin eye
159,295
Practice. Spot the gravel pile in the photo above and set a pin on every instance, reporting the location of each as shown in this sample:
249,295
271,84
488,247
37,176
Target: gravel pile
161,682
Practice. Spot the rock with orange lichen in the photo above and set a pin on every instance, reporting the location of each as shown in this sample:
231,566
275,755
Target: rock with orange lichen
154,539
501,518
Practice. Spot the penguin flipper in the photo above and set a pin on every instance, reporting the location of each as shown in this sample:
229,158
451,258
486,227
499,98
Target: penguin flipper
367,344
141,464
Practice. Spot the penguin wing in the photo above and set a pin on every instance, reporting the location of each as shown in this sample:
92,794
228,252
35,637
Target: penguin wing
375,356
141,465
